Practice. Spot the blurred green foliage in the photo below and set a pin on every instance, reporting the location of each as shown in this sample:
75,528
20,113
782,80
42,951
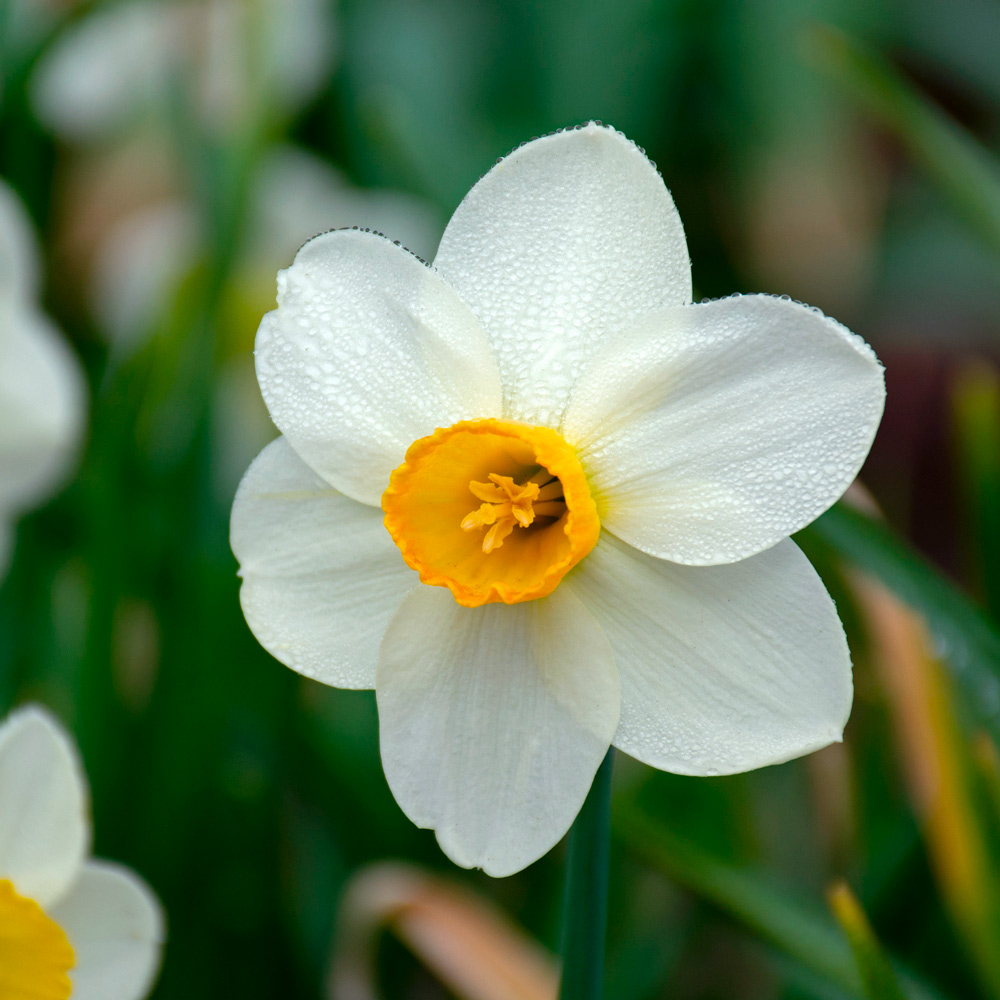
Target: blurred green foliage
854,168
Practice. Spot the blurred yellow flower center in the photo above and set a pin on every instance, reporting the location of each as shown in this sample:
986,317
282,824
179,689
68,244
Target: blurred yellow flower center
35,955
535,520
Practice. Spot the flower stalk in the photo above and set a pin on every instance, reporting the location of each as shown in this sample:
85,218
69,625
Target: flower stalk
585,901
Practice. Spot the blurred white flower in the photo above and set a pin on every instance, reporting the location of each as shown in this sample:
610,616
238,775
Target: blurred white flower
125,61
41,385
106,69
138,267
68,923
294,195
298,194
588,484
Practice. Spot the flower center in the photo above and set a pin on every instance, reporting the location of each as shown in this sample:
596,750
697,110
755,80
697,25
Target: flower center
35,955
535,521
506,504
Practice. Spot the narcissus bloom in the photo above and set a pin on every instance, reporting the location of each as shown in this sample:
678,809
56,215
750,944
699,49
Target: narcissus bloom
541,501
41,384
69,925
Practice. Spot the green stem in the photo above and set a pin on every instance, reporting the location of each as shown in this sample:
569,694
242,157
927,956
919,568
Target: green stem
585,902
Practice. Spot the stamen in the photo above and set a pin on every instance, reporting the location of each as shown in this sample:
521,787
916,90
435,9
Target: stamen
542,477
551,508
551,491
507,505
487,514
496,535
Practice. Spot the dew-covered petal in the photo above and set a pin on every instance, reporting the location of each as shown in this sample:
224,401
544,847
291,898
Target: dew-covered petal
369,350
321,576
712,431
44,830
565,241
116,928
723,668
494,720
41,406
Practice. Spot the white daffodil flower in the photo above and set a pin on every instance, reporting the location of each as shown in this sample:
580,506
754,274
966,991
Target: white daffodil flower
41,385
541,502
69,925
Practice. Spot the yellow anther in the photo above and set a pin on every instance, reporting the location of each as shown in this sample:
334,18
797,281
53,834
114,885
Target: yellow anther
486,514
506,504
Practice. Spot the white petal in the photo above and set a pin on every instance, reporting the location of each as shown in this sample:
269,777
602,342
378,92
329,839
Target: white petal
18,249
494,720
115,925
321,576
723,668
711,432
566,240
41,405
44,830
367,351
41,386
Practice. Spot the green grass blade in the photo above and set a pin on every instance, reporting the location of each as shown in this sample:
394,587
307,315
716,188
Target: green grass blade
877,976
585,904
